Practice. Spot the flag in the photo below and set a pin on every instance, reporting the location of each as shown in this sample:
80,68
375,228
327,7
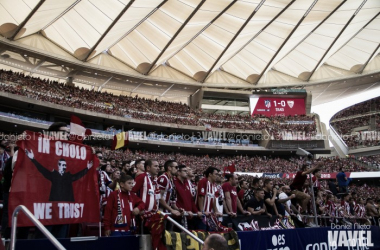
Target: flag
56,180
155,223
77,129
120,140
109,105
231,169
208,127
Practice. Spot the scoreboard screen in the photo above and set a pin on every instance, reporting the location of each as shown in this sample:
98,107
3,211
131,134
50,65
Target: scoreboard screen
277,105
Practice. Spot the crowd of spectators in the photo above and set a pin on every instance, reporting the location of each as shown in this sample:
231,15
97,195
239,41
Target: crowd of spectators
243,163
127,171
359,117
362,190
356,140
373,160
362,108
355,204
345,127
255,164
146,109
362,138
159,167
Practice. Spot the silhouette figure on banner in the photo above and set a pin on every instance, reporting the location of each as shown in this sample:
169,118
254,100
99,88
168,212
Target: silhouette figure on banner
61,181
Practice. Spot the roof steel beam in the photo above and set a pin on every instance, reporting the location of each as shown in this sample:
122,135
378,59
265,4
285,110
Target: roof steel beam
21,25
369,59
104,84
336,39
60,15
286,40
259,32
167,90
316,27
203,29
138,24
175,35
362,28
233,39
109,28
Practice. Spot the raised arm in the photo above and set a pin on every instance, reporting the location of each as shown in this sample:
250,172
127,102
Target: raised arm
46,173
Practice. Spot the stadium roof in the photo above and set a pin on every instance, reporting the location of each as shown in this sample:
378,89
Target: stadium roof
215,43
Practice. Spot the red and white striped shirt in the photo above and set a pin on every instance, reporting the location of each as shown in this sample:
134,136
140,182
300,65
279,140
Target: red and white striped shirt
346,207
360,210
147,189
165,184
331,208
207,189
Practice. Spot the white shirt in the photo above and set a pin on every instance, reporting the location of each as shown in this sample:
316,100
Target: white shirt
288,203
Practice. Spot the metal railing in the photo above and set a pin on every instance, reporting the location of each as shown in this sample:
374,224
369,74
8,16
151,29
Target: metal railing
36,222
183,228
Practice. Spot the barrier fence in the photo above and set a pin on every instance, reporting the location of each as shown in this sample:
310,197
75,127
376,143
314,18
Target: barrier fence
324,238
290,239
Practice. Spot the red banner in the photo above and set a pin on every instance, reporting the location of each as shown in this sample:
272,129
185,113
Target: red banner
56,180
323,175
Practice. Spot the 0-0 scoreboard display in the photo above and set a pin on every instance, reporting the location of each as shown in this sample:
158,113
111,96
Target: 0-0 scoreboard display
283,102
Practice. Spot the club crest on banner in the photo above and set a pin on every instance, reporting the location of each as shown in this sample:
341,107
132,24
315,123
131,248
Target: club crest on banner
290,103
267,103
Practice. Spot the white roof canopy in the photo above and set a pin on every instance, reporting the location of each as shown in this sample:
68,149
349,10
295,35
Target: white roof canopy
261,42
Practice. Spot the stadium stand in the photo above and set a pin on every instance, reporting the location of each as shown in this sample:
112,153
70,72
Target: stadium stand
160,84
123,160
359,124
362,108
157,111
